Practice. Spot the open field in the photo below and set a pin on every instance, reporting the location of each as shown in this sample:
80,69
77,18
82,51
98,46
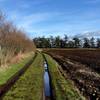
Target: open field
88,57
77,64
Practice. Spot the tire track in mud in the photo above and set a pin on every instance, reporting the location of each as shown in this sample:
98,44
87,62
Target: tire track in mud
87,81
6,87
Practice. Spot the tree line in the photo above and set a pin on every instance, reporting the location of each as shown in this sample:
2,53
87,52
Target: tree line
12,41
66,42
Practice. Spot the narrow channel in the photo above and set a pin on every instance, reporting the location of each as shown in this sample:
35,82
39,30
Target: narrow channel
47,87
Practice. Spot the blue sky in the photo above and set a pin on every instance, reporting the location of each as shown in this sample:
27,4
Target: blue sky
53,17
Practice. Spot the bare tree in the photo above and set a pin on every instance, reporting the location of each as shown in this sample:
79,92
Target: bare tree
12,41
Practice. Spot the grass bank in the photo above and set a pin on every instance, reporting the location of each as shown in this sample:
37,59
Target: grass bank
7,73
30,85
63,89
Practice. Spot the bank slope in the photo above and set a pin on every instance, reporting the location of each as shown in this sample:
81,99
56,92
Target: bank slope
30,84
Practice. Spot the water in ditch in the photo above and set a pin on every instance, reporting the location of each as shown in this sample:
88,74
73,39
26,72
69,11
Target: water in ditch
47,82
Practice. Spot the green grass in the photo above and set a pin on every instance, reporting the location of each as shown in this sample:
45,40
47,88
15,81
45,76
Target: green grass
63,89
8,72
30,85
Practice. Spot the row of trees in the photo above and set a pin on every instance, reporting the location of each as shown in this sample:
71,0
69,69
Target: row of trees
57,42
12,41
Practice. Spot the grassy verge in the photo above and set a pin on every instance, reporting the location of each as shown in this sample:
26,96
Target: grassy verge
7,73
30,85
62,89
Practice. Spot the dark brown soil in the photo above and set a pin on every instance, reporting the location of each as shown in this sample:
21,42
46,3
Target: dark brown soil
90,57
84,76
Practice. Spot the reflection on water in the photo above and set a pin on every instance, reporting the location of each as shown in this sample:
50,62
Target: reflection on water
46,80
45,66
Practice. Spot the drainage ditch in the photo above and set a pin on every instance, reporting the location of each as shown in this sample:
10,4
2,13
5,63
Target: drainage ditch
47,86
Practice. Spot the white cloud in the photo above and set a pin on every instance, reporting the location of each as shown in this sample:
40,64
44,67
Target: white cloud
32,20
54,22
33,23
89,34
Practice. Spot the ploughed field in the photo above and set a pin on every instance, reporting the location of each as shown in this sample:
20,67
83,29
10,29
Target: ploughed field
82,66
90,57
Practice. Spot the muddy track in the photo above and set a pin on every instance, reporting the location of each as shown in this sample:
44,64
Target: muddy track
6,87
86,80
